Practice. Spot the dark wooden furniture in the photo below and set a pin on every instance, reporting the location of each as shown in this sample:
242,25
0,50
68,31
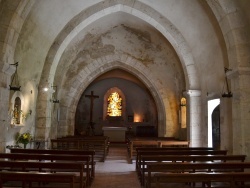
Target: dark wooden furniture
227,179
98,144
142,167
78,168
31,177
58,152
51,158
187,168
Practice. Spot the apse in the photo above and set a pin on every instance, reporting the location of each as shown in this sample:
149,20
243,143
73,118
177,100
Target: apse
135,107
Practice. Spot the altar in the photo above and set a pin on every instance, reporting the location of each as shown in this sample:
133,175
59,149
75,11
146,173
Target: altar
115,134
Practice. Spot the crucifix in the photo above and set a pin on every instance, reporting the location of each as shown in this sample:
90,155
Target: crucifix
92,97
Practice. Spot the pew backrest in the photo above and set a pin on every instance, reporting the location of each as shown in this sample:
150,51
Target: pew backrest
180,168
233,179
33,166
30,177
58,152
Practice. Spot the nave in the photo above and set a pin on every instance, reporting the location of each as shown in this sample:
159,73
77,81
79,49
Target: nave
116,171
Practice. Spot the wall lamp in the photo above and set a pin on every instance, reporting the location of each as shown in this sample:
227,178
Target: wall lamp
53,91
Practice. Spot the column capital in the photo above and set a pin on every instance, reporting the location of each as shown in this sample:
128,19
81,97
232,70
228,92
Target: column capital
192,93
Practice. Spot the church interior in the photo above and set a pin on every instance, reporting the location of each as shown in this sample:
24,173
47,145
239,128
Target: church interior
126,68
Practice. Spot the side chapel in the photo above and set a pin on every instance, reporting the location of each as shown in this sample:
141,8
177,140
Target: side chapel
172,68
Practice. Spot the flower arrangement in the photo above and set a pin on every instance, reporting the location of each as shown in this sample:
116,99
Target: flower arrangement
24,138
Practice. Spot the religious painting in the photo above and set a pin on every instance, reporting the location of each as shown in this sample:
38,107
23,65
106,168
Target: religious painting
114,105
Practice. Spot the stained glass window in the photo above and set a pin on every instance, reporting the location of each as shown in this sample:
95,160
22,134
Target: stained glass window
114,105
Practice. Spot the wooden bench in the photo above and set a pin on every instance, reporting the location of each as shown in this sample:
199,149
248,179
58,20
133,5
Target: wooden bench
181,168
166,143
50,157
80,137
30,177
106,138
178,152
64,152
156,143
100,146
143,149
140,143
24,166
238,179
184,158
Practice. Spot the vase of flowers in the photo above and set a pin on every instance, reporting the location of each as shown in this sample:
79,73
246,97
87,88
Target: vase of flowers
24,138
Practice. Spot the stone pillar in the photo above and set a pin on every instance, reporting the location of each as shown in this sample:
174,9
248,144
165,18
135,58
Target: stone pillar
240,110
194,118
226,133
43,117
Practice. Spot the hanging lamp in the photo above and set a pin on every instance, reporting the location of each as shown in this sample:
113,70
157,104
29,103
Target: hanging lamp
228,93
14,85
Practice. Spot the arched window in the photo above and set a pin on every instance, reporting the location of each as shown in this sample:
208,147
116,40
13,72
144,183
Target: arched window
114,107
183,113
17,111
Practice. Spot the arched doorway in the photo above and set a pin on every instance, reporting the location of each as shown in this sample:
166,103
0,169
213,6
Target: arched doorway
214,123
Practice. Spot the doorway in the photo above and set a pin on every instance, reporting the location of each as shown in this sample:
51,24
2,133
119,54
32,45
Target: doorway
214,123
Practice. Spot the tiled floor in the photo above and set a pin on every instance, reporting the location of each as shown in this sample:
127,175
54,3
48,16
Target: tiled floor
116,172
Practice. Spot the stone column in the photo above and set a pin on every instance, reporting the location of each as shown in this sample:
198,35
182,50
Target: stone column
226,141
240,109
194,118
43,116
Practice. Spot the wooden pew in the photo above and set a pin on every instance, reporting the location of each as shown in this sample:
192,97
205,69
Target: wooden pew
184,158
50,157
24,166
30,177
234,180
64,152
80,137
140,143
100,146
178,152
143,149
166,143
181,168
157,143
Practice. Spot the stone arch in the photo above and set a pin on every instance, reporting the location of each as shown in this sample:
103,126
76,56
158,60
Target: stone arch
101,9
14,25
232,24
137,9
106,64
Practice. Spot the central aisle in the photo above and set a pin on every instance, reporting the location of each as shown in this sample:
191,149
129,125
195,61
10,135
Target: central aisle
116,172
